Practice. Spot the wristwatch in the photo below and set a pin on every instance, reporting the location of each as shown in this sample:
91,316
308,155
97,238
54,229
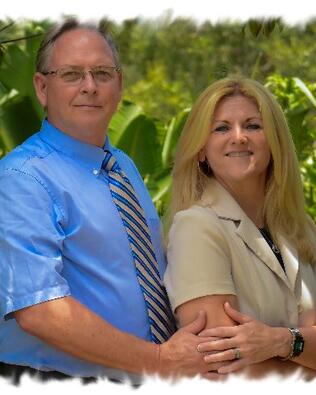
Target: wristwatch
297,345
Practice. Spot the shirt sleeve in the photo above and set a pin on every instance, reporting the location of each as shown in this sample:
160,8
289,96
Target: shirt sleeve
31,241
199,262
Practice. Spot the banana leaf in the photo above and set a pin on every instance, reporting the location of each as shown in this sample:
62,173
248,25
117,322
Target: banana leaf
19,119
139,141
126,113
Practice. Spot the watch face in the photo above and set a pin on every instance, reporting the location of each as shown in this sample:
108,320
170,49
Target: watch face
298,345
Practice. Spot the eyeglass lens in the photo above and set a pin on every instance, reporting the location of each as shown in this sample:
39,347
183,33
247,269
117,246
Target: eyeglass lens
100,74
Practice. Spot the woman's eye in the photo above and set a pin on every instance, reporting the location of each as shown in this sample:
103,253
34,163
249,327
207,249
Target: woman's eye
253,126
221,128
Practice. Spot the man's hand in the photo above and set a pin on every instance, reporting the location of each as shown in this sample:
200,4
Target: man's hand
179,355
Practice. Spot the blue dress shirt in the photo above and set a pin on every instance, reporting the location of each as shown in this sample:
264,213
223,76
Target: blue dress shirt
61,234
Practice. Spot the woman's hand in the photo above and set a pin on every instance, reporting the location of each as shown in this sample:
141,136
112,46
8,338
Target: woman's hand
249,342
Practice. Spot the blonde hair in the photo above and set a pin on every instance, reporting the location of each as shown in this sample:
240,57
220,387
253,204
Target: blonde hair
284,211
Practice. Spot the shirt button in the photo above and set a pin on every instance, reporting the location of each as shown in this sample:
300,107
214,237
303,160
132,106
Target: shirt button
95,172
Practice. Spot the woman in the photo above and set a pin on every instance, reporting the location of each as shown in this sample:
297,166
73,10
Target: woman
240,238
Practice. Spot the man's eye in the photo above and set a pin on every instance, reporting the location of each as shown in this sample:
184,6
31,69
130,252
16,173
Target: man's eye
71,75
103,75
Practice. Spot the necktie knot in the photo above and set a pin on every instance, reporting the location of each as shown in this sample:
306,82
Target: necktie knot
110,163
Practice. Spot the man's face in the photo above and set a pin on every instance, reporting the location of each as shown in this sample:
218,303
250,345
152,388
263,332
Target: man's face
83,108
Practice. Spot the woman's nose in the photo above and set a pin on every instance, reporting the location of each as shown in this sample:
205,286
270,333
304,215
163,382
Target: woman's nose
239,135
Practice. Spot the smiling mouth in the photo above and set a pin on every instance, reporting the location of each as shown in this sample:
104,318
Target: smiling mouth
87,105
239,154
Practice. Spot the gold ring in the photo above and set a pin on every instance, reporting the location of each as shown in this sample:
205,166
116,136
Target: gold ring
237,353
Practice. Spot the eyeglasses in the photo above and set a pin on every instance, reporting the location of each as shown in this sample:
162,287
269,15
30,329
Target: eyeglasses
73,75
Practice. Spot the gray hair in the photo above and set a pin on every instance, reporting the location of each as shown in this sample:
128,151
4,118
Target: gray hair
45,50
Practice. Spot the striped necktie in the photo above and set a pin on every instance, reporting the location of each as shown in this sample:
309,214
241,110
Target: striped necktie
160,317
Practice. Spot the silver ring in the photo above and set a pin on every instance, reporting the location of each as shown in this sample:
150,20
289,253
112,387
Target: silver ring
237,353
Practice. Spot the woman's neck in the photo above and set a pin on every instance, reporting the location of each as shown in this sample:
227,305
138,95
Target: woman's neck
250,197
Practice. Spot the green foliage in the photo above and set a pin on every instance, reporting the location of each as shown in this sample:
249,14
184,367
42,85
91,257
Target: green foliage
18,118
123,117
167,63
150,144
157,95
298,101
20,112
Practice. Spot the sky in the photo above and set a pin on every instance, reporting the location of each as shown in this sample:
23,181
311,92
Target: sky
292,11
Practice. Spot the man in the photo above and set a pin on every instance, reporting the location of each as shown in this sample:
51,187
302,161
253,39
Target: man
75,292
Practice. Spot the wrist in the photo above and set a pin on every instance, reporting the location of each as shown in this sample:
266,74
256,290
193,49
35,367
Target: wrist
164,368
152,366
283,342
297,344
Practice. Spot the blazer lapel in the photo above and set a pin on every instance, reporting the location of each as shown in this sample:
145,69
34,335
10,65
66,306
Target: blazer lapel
226,207
291,261
252,237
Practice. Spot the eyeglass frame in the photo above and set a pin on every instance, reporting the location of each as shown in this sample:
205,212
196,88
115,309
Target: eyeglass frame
85,72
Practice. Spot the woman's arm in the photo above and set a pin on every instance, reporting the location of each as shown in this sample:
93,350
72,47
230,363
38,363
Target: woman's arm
213,305
258,343
215,316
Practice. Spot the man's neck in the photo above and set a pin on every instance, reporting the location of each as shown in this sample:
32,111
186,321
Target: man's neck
92,136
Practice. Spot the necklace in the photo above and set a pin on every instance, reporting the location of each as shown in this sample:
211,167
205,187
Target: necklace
275,249
265,233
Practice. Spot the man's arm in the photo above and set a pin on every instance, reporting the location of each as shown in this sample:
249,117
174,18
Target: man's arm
69,326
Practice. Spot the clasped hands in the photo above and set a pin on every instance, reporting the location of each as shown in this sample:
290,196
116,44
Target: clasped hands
236,347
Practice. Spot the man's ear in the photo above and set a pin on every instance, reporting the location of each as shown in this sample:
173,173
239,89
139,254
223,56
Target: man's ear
40,86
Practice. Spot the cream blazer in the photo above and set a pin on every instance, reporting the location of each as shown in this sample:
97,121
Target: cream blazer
214,248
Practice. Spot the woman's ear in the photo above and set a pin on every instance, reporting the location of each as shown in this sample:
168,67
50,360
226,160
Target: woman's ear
40,86
202,155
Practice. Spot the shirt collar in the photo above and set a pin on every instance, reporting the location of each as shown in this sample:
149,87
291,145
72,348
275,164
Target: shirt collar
88,154
221,201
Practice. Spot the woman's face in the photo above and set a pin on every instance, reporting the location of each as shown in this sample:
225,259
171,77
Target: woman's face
237,149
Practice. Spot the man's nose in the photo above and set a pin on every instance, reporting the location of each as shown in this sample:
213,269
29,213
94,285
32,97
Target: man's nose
88,84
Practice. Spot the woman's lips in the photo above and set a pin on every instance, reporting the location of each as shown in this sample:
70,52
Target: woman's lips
239,154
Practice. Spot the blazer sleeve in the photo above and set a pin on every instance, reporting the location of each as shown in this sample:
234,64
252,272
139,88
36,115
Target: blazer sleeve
199,261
